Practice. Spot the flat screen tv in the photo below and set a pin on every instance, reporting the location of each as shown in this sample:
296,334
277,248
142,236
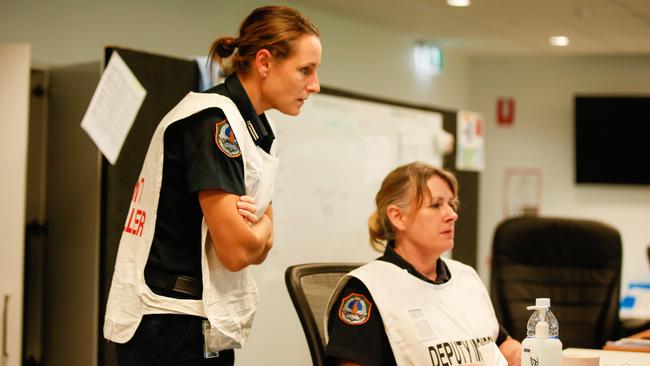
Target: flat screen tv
612,139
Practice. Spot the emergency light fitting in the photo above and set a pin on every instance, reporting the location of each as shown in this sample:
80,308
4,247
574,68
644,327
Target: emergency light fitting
428,58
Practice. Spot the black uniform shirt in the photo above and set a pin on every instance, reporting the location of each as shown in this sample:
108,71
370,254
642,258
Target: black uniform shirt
367,343
192,162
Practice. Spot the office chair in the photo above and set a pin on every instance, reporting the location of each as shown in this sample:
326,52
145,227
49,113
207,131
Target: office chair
310,286
576,263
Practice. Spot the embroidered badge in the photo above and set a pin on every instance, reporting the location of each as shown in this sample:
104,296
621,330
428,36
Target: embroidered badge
355,309
225,139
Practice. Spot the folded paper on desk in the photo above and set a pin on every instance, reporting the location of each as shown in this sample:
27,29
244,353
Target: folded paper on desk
611,358
631,342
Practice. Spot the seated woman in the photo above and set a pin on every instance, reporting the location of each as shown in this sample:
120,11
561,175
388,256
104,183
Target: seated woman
410,306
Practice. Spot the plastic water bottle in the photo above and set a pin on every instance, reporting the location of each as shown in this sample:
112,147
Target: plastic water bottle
553,325
540,349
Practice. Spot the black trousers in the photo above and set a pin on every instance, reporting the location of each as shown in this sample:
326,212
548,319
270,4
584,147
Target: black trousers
169,340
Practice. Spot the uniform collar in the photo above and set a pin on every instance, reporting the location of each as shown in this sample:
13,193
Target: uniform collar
391,256
257,125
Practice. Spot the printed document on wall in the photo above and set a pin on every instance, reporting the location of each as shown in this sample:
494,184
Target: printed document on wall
418,133
113,108
470,153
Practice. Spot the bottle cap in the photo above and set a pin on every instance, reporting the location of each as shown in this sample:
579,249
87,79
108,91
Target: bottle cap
543,301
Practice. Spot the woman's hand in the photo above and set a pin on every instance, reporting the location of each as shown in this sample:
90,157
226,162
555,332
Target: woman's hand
511,350
247,209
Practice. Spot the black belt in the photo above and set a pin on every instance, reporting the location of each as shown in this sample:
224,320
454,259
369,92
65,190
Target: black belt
186,286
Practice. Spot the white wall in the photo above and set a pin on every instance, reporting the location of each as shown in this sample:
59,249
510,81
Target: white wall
14,108
542,137
356,56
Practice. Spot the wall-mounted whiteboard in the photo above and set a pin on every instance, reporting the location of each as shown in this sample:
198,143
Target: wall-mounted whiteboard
333,157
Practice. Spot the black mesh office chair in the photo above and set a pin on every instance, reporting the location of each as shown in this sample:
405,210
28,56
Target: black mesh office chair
576,263
310,286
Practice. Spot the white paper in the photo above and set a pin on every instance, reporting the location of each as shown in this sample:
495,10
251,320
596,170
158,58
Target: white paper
113,108
417,144
469,138
418,134
613,358
523,188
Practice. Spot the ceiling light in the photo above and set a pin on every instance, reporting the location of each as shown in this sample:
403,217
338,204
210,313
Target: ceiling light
458,2
559,41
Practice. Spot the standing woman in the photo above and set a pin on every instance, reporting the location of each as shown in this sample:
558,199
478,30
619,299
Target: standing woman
181,293
411,306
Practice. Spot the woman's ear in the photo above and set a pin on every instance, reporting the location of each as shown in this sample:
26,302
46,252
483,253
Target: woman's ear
396,217
263,61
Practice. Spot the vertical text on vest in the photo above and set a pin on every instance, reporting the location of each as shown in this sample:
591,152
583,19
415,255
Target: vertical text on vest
137,217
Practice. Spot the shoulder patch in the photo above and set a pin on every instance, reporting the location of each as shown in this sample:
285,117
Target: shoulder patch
355,309
225,139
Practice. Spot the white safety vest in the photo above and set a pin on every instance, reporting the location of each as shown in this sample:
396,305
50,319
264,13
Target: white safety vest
430,324
229,299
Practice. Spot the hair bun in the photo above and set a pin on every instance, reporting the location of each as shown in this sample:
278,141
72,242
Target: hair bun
225,46
376,231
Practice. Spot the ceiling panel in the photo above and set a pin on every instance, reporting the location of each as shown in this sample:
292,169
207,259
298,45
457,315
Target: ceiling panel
509,26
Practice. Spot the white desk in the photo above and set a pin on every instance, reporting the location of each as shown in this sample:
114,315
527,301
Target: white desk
613,358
